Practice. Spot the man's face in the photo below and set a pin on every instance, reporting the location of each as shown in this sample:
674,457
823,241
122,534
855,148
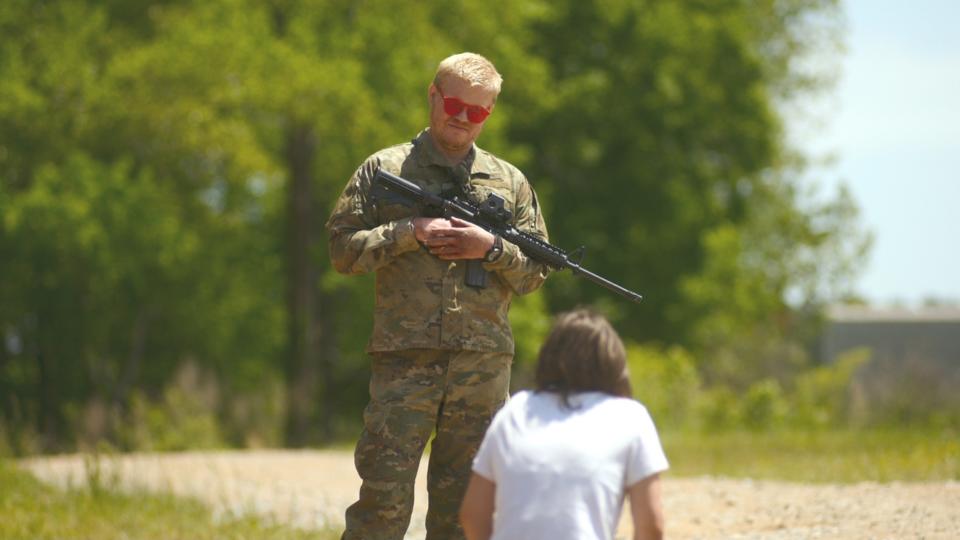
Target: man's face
454,134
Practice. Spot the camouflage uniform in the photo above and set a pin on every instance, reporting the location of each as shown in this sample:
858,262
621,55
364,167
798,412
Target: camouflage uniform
440,351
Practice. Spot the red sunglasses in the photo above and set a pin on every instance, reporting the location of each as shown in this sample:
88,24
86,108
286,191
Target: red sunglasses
454,106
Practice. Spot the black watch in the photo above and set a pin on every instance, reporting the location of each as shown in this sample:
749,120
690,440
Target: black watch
495,250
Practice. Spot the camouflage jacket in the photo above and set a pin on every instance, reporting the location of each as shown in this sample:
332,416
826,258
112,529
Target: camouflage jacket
422,301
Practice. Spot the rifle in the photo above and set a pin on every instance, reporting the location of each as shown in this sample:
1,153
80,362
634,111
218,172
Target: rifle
492,216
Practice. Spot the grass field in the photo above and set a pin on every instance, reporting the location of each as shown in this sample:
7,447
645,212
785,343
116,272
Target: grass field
831,456
32,510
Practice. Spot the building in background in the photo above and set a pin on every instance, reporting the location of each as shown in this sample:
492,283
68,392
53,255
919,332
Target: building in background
914,367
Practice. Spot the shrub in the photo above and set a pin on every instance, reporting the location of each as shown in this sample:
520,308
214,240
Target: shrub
718,410
186,417
666,381
764,406
823,396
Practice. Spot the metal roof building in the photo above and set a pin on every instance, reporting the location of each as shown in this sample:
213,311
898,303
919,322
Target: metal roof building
914,354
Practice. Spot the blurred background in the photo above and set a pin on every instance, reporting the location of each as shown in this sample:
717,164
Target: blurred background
776,177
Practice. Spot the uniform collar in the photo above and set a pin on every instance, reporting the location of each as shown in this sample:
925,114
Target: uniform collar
478,161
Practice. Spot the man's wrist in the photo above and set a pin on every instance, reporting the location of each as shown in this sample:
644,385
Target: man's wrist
495,250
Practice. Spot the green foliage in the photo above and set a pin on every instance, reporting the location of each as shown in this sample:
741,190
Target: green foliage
718,410
113,271
185,418
253,416
151,161
764,406
100,480
829,456
823,394
635,110
530,324
741,323
666,381
33,510
732,295
669,384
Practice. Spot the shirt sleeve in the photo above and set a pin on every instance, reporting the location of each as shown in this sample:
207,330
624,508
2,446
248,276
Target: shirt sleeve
646,455
488,459
521,273
358,243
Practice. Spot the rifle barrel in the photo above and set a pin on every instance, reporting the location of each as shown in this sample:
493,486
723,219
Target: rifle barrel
604,282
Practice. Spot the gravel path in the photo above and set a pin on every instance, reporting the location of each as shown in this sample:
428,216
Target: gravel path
312,488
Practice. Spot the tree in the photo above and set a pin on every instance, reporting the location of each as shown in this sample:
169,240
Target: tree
121,223
662,146
165,174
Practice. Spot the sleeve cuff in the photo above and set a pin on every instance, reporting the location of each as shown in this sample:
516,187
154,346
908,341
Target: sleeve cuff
404,236
509,253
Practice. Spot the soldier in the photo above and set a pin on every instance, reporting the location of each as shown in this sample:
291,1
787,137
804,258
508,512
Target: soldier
440,350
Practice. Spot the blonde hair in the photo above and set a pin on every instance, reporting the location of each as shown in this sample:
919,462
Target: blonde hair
470,67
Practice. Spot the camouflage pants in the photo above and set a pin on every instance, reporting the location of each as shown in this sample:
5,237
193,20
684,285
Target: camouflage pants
413,393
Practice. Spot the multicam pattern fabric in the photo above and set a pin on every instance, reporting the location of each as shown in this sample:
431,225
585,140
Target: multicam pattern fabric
412,393
421,300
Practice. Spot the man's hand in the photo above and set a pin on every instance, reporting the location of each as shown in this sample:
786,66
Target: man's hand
452,239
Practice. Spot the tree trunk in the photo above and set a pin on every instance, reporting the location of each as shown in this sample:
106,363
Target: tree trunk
329,353
48,406
7,395
301,367
129,373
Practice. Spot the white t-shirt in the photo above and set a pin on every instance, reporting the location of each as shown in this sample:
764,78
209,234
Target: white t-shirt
563,472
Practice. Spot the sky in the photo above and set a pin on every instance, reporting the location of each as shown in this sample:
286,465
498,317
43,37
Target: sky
892,125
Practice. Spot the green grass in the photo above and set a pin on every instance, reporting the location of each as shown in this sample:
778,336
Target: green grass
833,456
33,510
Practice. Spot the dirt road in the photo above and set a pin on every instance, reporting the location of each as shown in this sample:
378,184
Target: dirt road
311,489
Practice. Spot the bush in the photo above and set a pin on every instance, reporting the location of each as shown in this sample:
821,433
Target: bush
718,410
185,418
530,322
666,381
823,395
764,407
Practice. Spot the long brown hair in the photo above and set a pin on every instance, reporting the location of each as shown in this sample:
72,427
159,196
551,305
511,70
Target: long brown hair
583,353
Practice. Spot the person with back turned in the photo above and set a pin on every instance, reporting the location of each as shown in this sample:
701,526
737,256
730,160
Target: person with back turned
440,349
557,462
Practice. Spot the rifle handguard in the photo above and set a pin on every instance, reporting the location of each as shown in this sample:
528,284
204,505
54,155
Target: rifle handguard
494,217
